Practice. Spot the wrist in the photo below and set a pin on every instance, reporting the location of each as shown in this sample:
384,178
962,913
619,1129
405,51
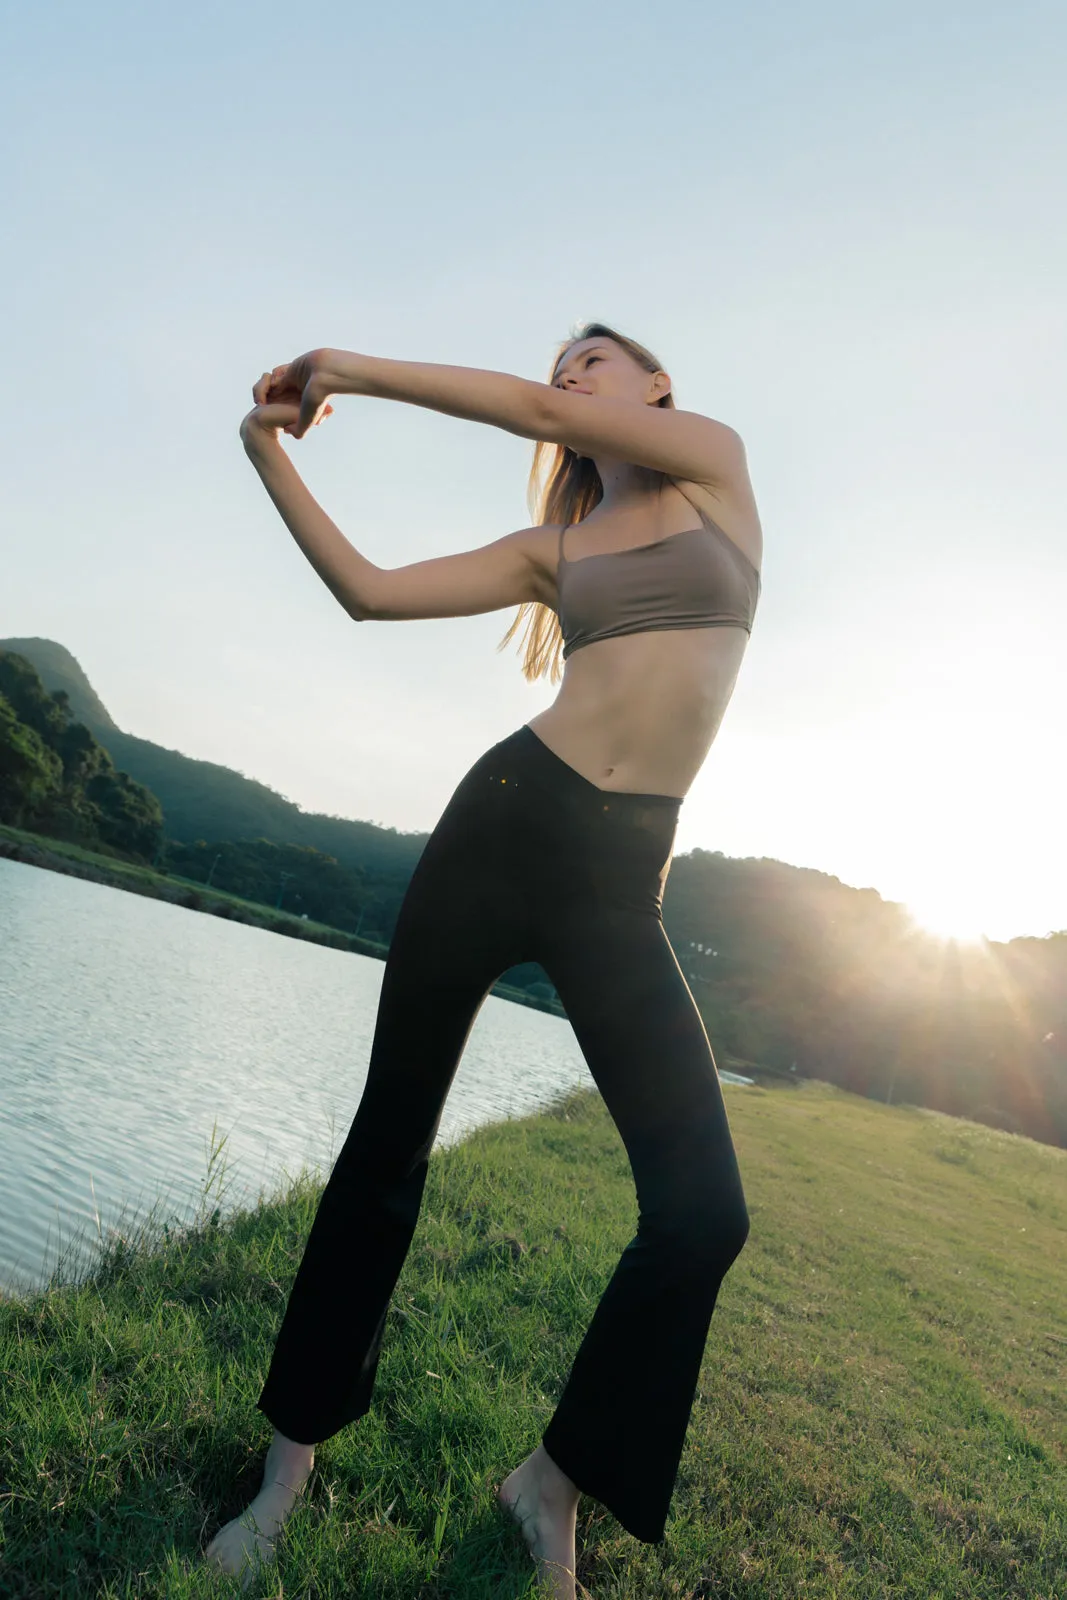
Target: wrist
349,371
260,443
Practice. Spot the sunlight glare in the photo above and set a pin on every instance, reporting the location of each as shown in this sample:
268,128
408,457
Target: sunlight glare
948,913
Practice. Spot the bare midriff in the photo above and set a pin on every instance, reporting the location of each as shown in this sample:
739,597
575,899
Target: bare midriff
639,713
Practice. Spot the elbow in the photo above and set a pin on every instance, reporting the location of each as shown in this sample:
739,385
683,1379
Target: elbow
360,607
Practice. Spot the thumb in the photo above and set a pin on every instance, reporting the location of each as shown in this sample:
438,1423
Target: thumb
311,402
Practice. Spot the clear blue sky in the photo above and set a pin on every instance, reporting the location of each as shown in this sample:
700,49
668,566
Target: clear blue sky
841,229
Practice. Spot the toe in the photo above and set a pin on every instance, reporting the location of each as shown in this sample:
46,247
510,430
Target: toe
237,1549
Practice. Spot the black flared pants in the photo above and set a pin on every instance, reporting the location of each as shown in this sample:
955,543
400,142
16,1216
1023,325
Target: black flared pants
532,862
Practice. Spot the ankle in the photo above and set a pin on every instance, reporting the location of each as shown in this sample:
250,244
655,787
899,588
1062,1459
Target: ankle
288,1462
553,1483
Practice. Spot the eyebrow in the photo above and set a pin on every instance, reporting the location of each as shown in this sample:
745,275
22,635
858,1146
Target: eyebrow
593,348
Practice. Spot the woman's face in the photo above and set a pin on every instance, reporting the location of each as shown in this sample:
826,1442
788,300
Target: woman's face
600,366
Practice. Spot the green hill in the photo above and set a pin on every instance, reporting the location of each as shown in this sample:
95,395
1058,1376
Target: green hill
205,800
59,670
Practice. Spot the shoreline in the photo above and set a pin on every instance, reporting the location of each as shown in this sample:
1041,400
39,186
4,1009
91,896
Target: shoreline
76,861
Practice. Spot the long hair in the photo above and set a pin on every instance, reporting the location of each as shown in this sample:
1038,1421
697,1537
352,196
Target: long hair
563,488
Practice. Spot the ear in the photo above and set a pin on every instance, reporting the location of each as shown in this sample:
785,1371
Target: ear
660,385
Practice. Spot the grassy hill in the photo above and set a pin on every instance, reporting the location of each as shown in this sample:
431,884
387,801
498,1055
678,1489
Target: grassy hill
881,1409
60,670
205,800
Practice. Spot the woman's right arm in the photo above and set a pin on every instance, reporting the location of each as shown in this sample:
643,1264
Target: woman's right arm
348,575
507,572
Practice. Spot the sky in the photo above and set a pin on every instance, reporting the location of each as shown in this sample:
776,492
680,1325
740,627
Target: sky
843,231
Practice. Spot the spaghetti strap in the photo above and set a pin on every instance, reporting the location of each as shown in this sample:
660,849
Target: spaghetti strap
560,556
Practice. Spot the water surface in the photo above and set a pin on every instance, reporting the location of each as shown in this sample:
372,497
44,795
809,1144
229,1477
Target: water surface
128,1027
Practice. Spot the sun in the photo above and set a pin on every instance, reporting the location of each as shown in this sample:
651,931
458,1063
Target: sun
948,914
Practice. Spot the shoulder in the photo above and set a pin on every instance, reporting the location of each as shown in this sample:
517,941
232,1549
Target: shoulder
733,506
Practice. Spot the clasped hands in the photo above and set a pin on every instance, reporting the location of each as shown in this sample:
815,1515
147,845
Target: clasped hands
294,397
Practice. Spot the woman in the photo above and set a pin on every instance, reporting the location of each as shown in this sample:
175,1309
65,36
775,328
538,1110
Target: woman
555,848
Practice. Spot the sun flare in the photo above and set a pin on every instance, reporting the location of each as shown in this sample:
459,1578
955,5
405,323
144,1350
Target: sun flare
948,916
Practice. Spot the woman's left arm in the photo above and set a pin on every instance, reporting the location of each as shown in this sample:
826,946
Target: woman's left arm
683,444
516,404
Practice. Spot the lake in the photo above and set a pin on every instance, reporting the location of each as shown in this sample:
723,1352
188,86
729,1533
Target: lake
130,1028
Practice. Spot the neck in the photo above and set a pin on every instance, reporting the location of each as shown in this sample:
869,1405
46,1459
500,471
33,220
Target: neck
625,486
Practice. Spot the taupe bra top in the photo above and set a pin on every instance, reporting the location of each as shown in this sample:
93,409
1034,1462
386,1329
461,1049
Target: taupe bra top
696,578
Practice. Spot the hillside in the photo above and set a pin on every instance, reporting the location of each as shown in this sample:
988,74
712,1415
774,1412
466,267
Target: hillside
204,800
59,670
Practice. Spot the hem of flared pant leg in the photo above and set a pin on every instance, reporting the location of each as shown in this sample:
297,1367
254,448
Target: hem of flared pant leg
586,1484
320,1435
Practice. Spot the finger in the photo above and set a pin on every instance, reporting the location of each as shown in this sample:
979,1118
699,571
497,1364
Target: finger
268,388
260,389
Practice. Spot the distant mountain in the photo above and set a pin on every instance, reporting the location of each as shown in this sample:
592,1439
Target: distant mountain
203,800
59,670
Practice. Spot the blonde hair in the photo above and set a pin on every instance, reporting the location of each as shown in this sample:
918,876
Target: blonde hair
571,487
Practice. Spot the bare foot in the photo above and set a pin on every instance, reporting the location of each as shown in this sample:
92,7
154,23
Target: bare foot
544,1502
248,1540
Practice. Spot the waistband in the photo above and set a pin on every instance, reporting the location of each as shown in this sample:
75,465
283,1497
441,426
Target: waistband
543,765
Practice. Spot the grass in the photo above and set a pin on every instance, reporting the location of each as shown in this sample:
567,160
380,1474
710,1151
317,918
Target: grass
881,1409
